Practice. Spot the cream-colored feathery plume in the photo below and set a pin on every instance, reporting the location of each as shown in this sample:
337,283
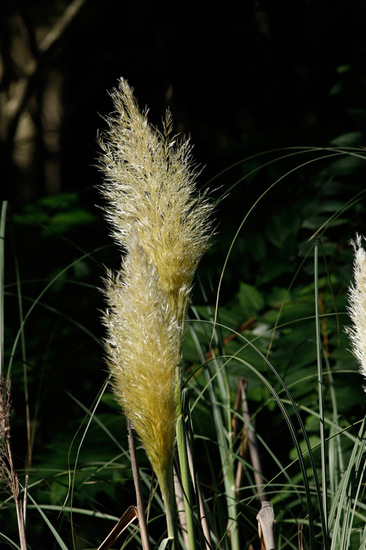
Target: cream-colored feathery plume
144,353
357,305
163,227
150,186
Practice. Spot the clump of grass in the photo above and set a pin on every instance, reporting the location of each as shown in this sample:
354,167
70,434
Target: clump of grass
8,474
163,227
270,334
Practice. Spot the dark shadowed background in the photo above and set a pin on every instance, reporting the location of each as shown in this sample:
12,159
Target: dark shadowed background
240,77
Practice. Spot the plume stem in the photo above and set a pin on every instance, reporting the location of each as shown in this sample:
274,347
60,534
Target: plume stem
137,482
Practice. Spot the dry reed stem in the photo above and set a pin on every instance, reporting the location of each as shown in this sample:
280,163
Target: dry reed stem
7,469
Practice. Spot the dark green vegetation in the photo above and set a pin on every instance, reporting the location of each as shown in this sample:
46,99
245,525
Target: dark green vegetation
71,438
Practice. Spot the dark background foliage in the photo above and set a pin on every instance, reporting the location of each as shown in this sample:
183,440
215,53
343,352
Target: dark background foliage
239,78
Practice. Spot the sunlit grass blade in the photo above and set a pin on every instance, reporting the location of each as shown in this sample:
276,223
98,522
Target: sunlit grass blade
292,429
321,399
10,542
186,481
54,532
250,210
38,299
347,496
221,412
222,418
73,471
285,153
91,416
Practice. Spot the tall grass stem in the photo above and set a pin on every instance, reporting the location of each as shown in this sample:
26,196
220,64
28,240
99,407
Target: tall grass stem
224,439
136,479
320,395
186,482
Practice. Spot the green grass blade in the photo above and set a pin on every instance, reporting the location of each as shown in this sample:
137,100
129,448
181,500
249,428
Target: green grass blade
186,482
38,299
164,544
346,498
224,438
91,416
222,419
9,541
250,210
321,399
291,427
48,523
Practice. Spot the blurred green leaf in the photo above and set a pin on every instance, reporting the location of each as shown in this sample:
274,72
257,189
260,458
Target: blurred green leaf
250,299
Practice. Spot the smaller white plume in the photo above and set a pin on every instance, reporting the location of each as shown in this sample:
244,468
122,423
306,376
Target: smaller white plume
357,304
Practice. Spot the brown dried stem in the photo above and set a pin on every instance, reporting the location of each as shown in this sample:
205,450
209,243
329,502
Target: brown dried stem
7,470
139,501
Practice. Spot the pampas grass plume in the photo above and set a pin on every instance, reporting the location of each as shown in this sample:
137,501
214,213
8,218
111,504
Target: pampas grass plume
357,305
163,227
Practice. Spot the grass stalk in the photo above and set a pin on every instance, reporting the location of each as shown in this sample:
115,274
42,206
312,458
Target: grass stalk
293,433
139,499
186,482
206,532
163,225
170,509
224,438
181,514
346,498
252,441
7,469
323,444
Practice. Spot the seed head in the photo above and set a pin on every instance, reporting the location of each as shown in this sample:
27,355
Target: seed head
162,224
357,304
